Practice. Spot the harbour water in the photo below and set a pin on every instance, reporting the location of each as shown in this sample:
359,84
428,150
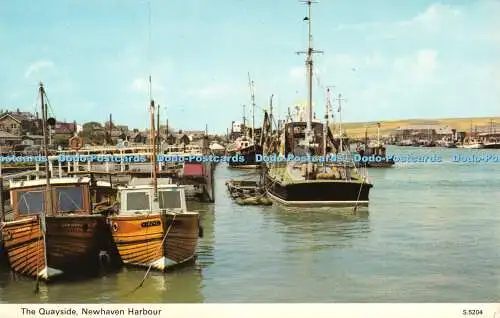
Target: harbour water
430,234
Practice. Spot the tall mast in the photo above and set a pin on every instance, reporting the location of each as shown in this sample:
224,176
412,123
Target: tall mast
244,120
110,128
158,127
252,92
46,152
153,144
325,126
309,64
340,99
152,115
378,134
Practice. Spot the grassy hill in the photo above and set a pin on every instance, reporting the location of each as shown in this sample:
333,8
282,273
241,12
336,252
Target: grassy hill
357,130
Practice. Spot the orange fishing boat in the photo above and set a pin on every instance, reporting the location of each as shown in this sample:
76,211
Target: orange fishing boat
69,239
59,224
153,233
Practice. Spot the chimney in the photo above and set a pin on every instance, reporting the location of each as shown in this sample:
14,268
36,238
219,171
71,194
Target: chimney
18,111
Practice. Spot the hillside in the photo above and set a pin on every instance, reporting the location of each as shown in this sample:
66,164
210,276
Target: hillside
357,130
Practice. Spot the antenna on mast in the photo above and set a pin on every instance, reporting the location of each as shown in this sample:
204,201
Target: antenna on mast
149,48
309,63
152,116
252,92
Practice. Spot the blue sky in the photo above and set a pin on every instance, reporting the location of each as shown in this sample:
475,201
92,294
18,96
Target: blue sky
390,59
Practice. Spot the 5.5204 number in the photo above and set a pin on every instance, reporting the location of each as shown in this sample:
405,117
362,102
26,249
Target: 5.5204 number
472,312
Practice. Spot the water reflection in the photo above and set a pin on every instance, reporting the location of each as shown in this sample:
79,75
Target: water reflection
205,252
177,286
320,229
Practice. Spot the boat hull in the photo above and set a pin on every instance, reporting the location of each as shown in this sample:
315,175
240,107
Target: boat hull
141,239
318,192
25,246
492,146
249,157
78,245
71,245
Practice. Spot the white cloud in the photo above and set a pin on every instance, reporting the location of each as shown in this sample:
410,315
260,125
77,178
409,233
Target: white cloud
452,20
419,66
38,66
435,16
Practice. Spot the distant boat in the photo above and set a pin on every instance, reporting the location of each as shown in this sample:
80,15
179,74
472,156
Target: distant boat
379,156
246,151
405,143
471,143
375,152
246,147
492,144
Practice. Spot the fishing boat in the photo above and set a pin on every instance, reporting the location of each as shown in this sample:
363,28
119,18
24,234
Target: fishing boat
244,151
59,224
153,227
312,182
492,144
375,154
246,148
471,143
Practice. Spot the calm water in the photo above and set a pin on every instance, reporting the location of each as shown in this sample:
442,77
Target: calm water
430,234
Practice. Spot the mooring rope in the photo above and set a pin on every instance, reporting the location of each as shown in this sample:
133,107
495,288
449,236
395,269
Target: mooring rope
359,194
151,265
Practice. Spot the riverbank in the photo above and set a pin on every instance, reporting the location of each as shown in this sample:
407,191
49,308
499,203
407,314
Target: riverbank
357,130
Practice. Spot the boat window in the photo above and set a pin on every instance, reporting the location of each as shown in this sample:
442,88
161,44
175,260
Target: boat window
170,199
69,199
138,201
30,201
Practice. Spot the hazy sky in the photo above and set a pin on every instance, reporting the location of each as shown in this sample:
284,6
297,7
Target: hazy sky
390,59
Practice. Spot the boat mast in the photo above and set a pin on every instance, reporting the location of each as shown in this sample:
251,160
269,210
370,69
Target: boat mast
158,127
244,120
378,134
309,63
252,92
46,153
340,99
325,126
153,146
152,115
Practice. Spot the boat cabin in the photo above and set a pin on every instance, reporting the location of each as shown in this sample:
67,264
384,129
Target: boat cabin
138,197
70,196
295,132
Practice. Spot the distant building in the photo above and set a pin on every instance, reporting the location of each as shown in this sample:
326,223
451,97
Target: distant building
18,123
418,132
64,128
8,139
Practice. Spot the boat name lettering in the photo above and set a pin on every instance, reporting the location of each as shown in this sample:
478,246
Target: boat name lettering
75,227
151,223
